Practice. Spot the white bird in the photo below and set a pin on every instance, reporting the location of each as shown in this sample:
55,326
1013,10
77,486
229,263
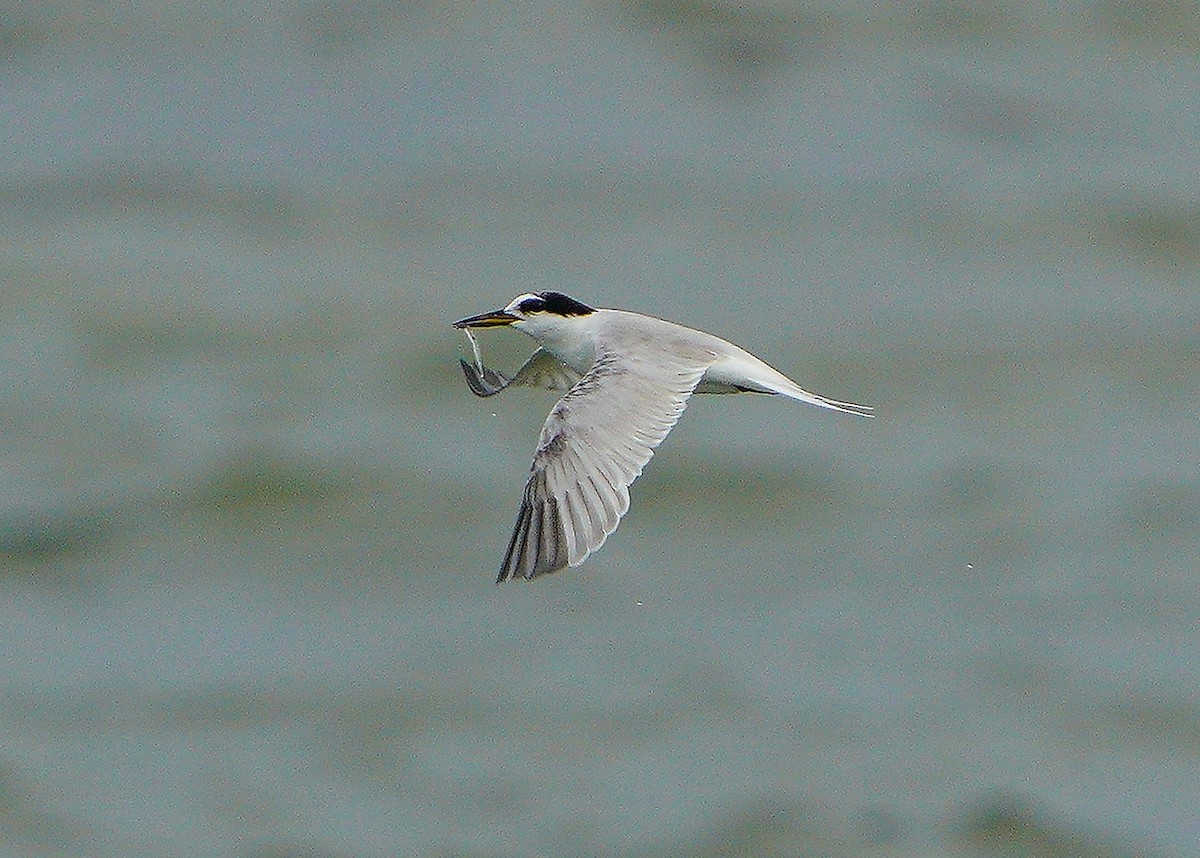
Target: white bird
628,378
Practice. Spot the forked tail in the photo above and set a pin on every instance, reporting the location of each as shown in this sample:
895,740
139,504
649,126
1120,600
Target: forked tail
799,393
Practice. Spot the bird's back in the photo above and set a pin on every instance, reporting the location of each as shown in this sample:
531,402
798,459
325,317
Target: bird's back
646,337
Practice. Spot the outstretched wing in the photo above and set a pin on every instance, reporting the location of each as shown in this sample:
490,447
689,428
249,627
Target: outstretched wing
593,445
542,370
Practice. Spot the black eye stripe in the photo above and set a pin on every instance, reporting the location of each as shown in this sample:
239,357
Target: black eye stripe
555,303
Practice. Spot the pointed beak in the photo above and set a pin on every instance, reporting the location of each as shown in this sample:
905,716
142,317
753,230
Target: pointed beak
487,320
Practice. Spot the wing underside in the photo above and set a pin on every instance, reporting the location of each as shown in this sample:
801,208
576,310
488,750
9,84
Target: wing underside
542,370
592,447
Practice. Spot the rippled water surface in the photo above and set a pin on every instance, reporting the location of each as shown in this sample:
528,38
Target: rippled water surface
250,515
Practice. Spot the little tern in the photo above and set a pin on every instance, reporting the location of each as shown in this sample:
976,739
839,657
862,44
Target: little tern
628,378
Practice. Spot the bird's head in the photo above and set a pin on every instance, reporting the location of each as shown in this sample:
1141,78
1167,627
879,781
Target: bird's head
532,313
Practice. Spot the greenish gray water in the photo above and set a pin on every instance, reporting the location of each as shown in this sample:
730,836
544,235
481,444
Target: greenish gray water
250,515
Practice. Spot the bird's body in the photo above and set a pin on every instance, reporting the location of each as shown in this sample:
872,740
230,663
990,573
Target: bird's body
629,378
639,337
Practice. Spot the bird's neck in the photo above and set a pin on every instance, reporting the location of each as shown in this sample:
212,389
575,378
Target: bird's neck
575,348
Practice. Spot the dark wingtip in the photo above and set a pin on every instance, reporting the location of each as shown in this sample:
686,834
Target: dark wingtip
472,376
487,382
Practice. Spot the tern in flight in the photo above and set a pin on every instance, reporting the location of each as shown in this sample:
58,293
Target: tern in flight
627,379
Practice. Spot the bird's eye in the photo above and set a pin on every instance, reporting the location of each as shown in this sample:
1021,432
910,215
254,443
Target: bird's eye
531,305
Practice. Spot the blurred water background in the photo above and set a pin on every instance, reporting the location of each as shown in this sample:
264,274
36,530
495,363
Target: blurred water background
250,515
